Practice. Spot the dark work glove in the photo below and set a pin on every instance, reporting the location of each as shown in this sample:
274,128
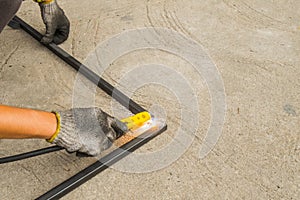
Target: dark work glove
57,24
86,130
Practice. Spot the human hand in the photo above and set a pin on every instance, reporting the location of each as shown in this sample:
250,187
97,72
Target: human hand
87,130
57,24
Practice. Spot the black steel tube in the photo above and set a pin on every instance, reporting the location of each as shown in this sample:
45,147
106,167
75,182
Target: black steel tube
100,82
97,167
30,154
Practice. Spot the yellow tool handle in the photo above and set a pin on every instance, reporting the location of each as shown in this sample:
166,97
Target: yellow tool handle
137,120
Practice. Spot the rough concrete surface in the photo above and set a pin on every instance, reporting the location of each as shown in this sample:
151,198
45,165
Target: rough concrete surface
255,46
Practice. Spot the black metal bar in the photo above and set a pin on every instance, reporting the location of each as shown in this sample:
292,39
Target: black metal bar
30,154
99,166
93,77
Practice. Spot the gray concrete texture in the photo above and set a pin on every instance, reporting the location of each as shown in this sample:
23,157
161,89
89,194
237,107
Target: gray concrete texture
255,46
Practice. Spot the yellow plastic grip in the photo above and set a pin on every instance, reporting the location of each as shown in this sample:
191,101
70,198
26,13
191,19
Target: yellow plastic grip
137,120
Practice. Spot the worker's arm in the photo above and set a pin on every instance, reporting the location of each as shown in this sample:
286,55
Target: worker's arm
54,18
87,130
8,9
26,123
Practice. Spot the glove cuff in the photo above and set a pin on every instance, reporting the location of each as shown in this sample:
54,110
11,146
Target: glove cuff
58,119
66,135
43,1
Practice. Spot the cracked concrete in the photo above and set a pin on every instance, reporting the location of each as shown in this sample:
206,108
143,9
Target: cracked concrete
8,58
255,46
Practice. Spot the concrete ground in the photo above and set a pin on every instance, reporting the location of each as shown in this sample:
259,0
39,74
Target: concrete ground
255,46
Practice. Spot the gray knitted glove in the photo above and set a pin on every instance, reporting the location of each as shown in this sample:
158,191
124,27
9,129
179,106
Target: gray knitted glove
57,24
87,130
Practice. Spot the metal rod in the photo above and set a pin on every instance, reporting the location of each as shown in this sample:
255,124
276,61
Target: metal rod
97,167
93,77
30,154
113,157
